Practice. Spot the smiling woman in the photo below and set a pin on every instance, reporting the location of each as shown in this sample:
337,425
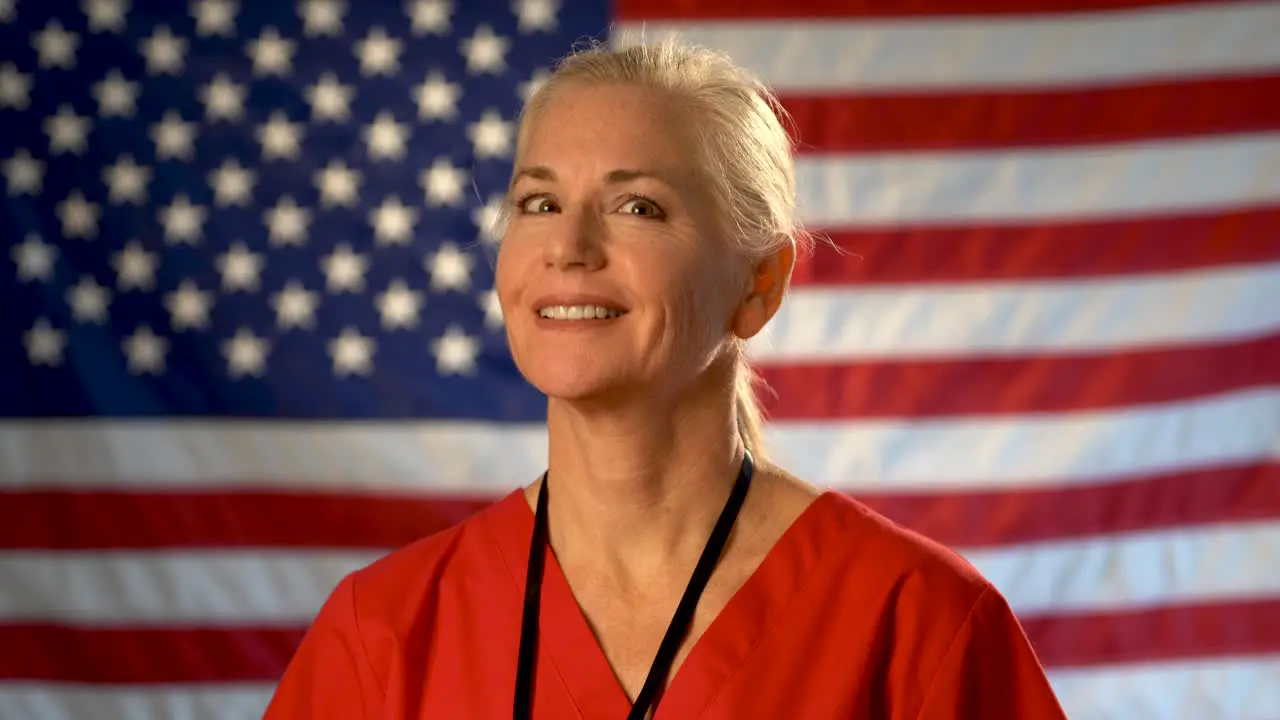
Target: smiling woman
660,566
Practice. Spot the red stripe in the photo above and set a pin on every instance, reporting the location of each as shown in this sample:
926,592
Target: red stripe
977,119
145,655
991,518
1229,628
133,655
119,520
944,387
1044,251
220,519
653,10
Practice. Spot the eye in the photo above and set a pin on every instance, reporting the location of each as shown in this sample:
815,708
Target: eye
642,207
536,204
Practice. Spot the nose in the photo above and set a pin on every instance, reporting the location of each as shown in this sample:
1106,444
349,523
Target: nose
578,243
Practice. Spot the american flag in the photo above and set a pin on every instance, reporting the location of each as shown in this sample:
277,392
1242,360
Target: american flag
248,340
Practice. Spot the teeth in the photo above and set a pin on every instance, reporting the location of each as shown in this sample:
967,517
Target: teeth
578,312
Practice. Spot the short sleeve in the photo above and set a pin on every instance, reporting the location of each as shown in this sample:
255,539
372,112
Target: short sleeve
330,674
990,671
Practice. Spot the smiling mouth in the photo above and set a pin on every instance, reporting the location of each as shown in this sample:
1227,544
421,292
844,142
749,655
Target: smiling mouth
579,312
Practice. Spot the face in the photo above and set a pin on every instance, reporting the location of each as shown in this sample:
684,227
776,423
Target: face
614,275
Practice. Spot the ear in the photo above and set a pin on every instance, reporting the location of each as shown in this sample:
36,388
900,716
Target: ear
769,281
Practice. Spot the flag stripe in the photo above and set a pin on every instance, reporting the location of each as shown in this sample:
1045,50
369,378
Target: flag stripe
1097,181
58,701
142,655
839,56
936,9
158,519
1065,249
823,323
226,587
1001,452
957,120
1033,383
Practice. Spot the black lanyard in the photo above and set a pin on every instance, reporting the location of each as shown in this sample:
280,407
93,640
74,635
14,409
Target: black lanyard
679,622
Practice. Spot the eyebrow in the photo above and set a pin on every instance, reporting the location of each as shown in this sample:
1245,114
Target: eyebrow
613,177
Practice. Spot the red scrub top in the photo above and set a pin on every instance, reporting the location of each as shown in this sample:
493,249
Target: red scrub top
848,616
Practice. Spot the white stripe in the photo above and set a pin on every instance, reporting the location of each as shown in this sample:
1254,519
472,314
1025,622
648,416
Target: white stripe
987,186
222,587
52,701
946,320
1224,689
234,587
834,56
1135,570
1007,451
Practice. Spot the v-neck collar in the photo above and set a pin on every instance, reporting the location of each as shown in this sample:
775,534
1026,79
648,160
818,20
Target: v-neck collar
577,659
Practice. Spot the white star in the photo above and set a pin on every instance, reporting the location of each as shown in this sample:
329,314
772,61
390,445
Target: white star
34,259
108,15
67,131
491,136
344,270
437,98
393,222
55,47
492,308
399,306
89,301
116,95
79,217
536,15
443,183
246,354
339,185
15,88
44,343
272,54
295,306
8,10
279,137
164,52
174,137
485,52
189,306
287,222
450,268
135,267
183,222
352,353
379,53
240,268
330,99
386,137
215,17
486,218
430,16
126,181
527,88
145,351
223,99
322,17
455,352
24,174
232,184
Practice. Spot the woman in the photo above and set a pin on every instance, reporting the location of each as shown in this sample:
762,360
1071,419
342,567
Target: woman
652,231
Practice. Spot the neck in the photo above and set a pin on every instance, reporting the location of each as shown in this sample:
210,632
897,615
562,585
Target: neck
635,491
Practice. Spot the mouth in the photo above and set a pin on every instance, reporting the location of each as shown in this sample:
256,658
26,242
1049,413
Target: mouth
579,312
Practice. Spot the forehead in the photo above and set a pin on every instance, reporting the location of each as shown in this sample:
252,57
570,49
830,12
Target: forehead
610,126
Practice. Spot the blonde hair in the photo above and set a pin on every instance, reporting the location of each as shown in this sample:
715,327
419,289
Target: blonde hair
747,151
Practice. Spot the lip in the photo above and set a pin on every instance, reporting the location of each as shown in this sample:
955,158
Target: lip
578,299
